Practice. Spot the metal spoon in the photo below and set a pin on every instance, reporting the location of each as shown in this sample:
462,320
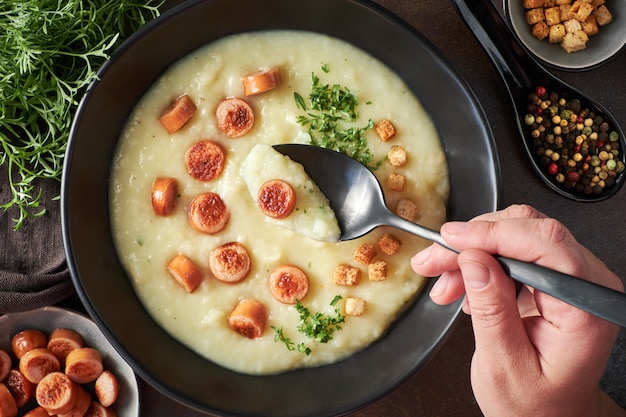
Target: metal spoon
521,75
357,198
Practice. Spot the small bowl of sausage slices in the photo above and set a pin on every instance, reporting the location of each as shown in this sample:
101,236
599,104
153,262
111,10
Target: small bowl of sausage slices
571,35
55,361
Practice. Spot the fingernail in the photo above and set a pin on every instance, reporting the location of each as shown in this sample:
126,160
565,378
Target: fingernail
439,287
475,275
421,257
454,228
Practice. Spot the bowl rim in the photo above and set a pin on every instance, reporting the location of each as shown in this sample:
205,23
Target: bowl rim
554,57
109,323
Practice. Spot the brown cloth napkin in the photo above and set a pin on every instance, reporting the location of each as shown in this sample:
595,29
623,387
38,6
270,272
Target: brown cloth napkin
33,271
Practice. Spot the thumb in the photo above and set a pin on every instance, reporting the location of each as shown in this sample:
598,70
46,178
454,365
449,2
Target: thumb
491,297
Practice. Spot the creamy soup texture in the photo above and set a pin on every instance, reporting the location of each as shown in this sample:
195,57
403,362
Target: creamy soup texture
145,241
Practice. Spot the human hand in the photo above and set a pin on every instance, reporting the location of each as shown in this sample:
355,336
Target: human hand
535,355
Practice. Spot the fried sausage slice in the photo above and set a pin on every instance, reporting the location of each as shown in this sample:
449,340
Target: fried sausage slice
27,340
164,193
83,365
248,318
208,213
178,114
205,160
185,272
289,284
83,401
235,117
57,393
98,410
107,388
262,81
63,341
8,407
38,411
21,388
37,363
276,199
230,262
5,364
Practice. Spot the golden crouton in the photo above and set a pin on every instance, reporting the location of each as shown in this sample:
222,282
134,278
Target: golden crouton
549,3
365,253
535,15
603,15
572,26
575,41
407,209
553,16
564,8
389,244
580,11
557,33
377,271
385,130
533,4
396,182
397,156
590,26
354,306
540,30
347,275
598,3
561,2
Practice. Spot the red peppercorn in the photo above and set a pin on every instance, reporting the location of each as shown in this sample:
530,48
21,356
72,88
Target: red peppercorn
553,168
573,176
540,90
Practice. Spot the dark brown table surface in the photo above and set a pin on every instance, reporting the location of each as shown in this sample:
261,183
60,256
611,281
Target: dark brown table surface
442,387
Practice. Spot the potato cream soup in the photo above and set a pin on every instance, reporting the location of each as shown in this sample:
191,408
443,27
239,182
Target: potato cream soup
371,274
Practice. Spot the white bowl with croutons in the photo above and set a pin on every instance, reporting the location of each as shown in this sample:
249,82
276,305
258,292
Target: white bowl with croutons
571,35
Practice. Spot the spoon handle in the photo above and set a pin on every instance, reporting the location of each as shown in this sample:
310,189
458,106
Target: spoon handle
499,41
593,298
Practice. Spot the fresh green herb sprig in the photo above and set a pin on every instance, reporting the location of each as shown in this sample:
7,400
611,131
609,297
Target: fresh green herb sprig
50,51
318,326
330,117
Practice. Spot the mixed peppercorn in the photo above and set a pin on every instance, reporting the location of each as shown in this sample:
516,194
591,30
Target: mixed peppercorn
575,146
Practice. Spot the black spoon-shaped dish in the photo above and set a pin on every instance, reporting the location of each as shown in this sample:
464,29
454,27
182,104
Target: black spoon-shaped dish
573,143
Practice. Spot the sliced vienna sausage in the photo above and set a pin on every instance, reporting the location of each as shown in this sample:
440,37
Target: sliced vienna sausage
63,341
205,160
83,401
98,410
5,364
8,407
21,388
37,363
262,81
208,213
289,284
178,114
38,411
27,340
107,388
235,117
185,272
230,262
164,193
276,199
248,318
57,393
83,365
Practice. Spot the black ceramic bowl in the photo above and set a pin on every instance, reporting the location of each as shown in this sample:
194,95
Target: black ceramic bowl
102,282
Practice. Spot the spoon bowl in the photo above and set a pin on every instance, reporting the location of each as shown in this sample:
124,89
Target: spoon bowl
357,199
522,75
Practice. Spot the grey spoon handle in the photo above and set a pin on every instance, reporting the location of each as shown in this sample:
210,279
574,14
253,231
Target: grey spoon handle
593,298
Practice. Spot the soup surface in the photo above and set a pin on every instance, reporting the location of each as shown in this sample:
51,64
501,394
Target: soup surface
146,241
